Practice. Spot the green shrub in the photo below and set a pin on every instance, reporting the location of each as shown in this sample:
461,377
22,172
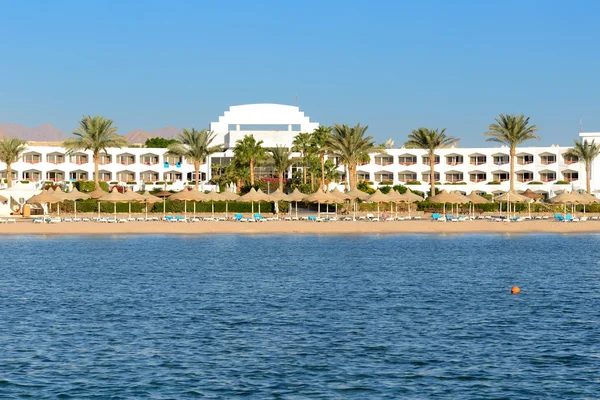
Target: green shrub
493,183
365,186
132,183
90,186
159,183
386,183
455,183
413,183
535,183
562,183
113,183
26,182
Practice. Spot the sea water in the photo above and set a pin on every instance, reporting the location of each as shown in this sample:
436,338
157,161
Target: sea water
300,316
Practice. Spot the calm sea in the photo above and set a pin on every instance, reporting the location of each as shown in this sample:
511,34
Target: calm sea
294,317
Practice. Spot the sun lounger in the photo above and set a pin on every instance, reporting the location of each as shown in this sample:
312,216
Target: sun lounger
35,220
312,218
85,219
111,220
559,218
258,217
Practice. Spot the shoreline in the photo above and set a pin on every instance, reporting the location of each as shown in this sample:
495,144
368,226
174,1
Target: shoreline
299,228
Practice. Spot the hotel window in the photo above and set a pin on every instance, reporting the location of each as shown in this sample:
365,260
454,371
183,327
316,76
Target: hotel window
426,175
384,160
126,159
105,159
436,160
477,177
524,176
570,159
501,176
478,159
525,159
548,176
454,160
384,176
548,159
55,158
32,158
78,175
454,177
407,160
104,176
570,176
363,176
407,176
501,159
149,159
79,158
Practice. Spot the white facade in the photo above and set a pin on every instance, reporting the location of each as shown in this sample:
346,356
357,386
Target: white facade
466,169
274,124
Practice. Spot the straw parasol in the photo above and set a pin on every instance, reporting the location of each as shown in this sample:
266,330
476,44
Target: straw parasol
378,197
252,196
212,196
341,195
164,194
296,196
444,197
228,196
97,193
185,196
3,199
133,197
474,198
149,199
410,197
278,195
75,195
44,198
533,195
321,197
114,197
513,197
356,194
61,195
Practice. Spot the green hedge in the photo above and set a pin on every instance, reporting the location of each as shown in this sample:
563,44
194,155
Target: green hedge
535,183
90,186
91,206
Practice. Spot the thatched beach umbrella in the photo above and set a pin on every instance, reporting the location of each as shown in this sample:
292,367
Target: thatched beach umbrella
443,197
75,195
378,197
513,197
296,196
163,194
44,198
356,194
3,199
114,197
277,196
320,197
533,195
149,199
212,196
133,197
185,196
410,198
250,197
476,199
228,196
61,195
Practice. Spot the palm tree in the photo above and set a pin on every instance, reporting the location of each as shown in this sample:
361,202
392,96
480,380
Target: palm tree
281,159
302,143
10,151
319,139
430,140
586,152
351,146
250,151
195,146
511,130
95,134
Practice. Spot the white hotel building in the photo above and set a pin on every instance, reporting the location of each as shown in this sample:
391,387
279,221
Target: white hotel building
481,169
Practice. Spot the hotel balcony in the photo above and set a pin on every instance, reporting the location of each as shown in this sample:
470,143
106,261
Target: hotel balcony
32,157
477,159
149,159
524,176
570,160
524,159
547,158
55,176
501,159
105,176
55,158
477,176
454,159
78,175
407,159
384,160
79,158
425,159
125,159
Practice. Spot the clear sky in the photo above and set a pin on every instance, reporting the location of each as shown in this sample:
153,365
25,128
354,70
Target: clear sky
394,65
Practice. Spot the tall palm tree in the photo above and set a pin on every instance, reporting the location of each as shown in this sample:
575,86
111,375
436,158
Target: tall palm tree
280,158
319,139
10,151
303,144
586,152
95,134
430,140
195,146
250,151
512,131
352,146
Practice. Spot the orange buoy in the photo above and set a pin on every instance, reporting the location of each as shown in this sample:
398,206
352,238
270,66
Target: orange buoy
515,290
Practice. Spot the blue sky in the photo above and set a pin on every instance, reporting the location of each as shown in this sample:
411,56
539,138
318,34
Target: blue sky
394,65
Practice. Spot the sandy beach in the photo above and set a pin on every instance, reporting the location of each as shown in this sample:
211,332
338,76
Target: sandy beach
298,227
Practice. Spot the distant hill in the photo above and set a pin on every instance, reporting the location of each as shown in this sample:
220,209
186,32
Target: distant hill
140,136
49,133
42,133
